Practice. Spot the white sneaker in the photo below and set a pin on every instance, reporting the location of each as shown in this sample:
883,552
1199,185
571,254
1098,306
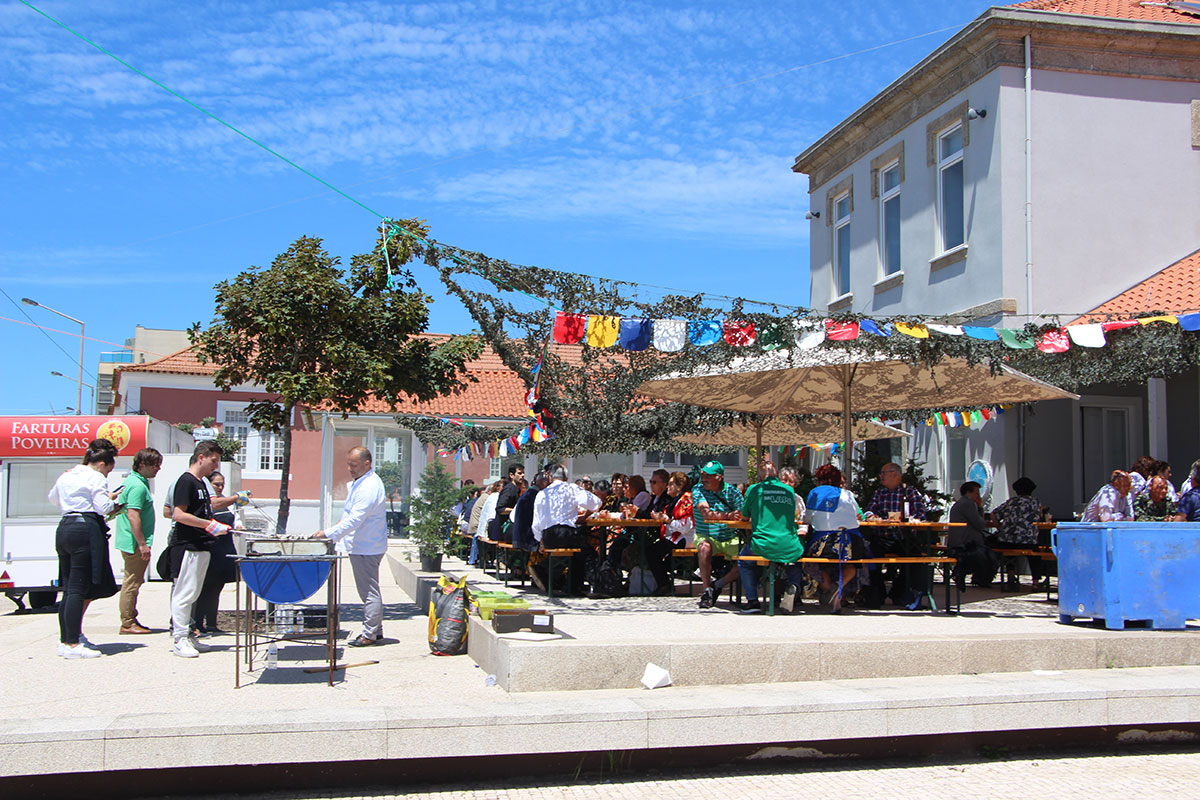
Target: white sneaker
199,646
80,651
184,649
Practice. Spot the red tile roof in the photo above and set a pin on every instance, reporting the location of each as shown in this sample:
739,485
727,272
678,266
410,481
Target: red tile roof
1175,288
496,392
1114,9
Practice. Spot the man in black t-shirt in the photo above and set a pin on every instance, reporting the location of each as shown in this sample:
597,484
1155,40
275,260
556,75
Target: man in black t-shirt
505,503
193,535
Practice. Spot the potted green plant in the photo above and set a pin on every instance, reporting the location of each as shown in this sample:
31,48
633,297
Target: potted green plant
432,518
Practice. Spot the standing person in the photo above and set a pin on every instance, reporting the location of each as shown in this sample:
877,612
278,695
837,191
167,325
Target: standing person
362,534
135,534
771,508
556,509
82,544
221,569
191,544
713,503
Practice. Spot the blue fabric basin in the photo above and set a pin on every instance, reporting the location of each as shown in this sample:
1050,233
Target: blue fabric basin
284,581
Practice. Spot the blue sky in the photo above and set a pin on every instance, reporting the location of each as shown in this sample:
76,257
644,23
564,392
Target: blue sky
648,141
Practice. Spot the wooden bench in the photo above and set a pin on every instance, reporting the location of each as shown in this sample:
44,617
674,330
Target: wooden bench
558,552
933,561
691,557
510,554
1010,554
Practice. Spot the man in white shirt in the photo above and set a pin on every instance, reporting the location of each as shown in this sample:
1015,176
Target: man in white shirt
555,512
362,534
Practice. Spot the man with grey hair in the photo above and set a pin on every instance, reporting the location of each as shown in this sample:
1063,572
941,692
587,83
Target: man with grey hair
555,512
362,534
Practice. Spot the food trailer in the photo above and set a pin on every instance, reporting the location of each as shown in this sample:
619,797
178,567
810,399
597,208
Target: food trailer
34,451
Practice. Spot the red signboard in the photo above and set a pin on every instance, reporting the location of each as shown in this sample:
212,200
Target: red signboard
69,436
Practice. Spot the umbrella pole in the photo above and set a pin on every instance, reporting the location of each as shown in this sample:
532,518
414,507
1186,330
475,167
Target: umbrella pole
758,455
847,433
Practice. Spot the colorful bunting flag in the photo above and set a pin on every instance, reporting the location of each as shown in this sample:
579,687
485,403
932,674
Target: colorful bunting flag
773,337
739,334
1170,318
983,334
1056,341
1118,324
948,330
1189,322
809,334
872,327
1087,335
634,334
1014,339
569,328
670,335
841,331
704,332
915,331
602,331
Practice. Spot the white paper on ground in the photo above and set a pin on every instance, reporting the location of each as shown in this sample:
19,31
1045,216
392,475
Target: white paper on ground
655,677
530,636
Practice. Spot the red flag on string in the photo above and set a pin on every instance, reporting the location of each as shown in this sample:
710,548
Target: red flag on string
1117,324
739,334
569,328
840,331
1056,341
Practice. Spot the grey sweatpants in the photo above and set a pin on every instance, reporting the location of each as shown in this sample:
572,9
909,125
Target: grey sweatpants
186,589
366,580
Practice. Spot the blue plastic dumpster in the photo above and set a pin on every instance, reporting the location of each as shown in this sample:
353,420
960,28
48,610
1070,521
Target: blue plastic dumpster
1122,572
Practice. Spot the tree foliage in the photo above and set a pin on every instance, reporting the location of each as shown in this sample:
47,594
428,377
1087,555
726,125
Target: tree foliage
432,518
315,335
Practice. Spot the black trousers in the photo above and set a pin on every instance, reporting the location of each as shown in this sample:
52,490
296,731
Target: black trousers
83,570
557,536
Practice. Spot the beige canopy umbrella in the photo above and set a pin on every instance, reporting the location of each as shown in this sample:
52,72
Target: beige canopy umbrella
846,382
779,431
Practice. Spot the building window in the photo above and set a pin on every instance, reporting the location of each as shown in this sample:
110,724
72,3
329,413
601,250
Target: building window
841,244
494,469
261,451
950,188
889,219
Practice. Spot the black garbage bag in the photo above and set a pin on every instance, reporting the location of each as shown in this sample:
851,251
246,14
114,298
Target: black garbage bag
448,617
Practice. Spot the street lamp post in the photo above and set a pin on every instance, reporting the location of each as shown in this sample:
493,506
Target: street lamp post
79,322
91,389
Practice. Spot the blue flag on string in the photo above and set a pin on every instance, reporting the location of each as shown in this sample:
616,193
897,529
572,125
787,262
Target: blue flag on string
1189,322
872,327
976,332
634,334
704,332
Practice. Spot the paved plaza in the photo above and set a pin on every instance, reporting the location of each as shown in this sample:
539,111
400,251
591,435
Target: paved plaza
1088,776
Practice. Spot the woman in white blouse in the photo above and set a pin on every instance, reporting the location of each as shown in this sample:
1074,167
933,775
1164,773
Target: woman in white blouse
84,572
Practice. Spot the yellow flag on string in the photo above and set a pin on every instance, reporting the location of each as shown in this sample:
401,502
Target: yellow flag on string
915,331
1164,318
602,331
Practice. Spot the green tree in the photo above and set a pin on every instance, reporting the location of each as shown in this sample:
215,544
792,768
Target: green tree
314,335
432,518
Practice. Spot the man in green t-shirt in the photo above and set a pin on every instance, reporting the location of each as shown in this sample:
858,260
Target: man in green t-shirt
135,534
770,506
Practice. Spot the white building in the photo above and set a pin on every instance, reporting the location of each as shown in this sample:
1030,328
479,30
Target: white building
1041,162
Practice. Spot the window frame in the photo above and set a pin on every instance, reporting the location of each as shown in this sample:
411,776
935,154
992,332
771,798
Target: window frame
252,445
886,195
944,163
838,224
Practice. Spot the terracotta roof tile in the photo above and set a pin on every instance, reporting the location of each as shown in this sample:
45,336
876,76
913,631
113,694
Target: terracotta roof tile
1114,9
1174,288
496,392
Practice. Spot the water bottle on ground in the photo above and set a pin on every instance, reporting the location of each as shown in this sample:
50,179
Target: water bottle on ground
272,656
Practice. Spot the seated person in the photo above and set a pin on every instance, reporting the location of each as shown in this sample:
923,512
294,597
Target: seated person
771,508
966,544
1016,521
1188,509
714,502
556,510
1155,504
832,516
637,496
894,499
1111,503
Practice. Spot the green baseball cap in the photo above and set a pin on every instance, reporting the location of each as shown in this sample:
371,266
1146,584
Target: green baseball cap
713,468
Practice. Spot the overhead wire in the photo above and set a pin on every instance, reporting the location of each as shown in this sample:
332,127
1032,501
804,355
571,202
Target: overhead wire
72,358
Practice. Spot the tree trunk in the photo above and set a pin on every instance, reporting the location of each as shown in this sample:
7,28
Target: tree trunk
284,503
